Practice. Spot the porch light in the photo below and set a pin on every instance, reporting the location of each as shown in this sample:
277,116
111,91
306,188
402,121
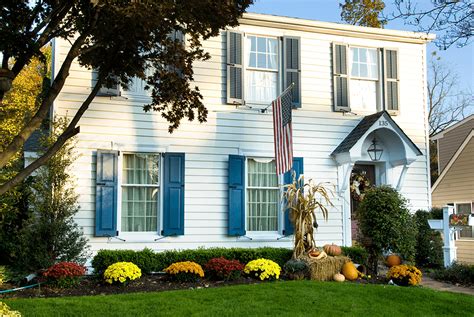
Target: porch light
375,151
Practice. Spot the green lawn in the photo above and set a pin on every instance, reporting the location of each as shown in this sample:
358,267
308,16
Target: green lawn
304,298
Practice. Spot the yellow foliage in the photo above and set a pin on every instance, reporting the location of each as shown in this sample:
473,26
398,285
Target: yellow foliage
21,102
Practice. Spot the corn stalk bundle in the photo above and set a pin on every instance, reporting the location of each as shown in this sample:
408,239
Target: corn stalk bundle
302,202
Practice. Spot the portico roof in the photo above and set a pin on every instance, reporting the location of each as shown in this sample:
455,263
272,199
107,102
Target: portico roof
364,126
399,147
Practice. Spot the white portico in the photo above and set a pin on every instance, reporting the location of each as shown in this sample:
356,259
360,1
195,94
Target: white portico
379,142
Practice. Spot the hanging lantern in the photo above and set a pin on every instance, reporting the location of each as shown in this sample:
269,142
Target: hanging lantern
375,151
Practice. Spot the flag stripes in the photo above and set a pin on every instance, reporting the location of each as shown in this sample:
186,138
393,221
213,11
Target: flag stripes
283,133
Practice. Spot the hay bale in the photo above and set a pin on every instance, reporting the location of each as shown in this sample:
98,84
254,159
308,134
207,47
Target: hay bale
324,269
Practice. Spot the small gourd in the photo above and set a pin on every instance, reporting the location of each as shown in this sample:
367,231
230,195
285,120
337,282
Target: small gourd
350,272
332,249
393,260
338,277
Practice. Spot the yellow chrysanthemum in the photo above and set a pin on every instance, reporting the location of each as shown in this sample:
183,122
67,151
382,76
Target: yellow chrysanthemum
185,267
122,272
263,269
405,273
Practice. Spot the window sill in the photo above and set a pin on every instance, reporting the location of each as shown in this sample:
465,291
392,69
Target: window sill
136,238
264,237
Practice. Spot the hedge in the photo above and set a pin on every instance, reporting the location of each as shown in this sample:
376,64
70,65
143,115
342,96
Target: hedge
358,255
149,261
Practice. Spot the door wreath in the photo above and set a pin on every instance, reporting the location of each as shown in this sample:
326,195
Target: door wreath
359,185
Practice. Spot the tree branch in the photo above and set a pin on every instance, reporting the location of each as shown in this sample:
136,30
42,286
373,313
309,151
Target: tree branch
68,133
35,122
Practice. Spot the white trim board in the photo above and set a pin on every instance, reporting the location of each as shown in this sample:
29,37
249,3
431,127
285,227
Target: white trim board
453,159
440,135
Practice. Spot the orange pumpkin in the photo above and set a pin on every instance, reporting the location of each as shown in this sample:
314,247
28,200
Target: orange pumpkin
393,260
350,271
332,249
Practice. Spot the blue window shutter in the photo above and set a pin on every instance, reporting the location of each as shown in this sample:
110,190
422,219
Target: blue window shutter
173,194
236,195
288,179
106,194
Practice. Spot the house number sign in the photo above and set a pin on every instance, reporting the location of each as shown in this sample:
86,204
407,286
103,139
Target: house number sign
383,123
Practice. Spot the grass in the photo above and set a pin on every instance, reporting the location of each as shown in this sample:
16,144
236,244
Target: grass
297,298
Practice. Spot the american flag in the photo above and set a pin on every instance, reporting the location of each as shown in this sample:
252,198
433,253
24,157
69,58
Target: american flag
283,134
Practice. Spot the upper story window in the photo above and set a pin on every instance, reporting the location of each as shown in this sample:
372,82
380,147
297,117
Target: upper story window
263,200
261,73
140,192
364,81
259,67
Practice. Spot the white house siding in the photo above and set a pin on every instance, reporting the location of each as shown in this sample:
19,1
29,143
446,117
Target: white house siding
121,124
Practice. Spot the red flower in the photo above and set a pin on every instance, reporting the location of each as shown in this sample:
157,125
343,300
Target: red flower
63,270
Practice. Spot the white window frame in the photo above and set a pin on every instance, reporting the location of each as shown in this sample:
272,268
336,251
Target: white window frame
379,82
138,236
262,235
245,68
471,203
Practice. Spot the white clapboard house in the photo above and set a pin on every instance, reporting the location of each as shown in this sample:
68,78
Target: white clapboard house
214,184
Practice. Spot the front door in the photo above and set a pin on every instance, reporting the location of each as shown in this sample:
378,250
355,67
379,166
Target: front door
366,172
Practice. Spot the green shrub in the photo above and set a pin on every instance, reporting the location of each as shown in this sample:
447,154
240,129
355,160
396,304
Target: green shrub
429,244
149,261
436,213
386,225
51,234
358,255
456,273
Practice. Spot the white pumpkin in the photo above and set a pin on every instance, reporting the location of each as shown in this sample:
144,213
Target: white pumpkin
338,277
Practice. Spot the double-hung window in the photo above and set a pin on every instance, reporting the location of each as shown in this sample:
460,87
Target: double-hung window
263,196
260,67
140,192
364,81
261,73
255,197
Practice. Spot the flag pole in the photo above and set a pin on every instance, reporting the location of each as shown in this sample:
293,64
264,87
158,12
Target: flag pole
287,88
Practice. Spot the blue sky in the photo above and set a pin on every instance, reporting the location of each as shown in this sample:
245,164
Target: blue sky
460,60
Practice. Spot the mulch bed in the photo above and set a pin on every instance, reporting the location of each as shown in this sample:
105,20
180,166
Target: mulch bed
94,286
147,283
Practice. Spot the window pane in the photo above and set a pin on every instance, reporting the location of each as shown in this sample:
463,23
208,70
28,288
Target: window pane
140,169
363,94
251,48
261,87
261,60
272,46
464,209
355,54
363,71
139,209
355,70
261,44
363,55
